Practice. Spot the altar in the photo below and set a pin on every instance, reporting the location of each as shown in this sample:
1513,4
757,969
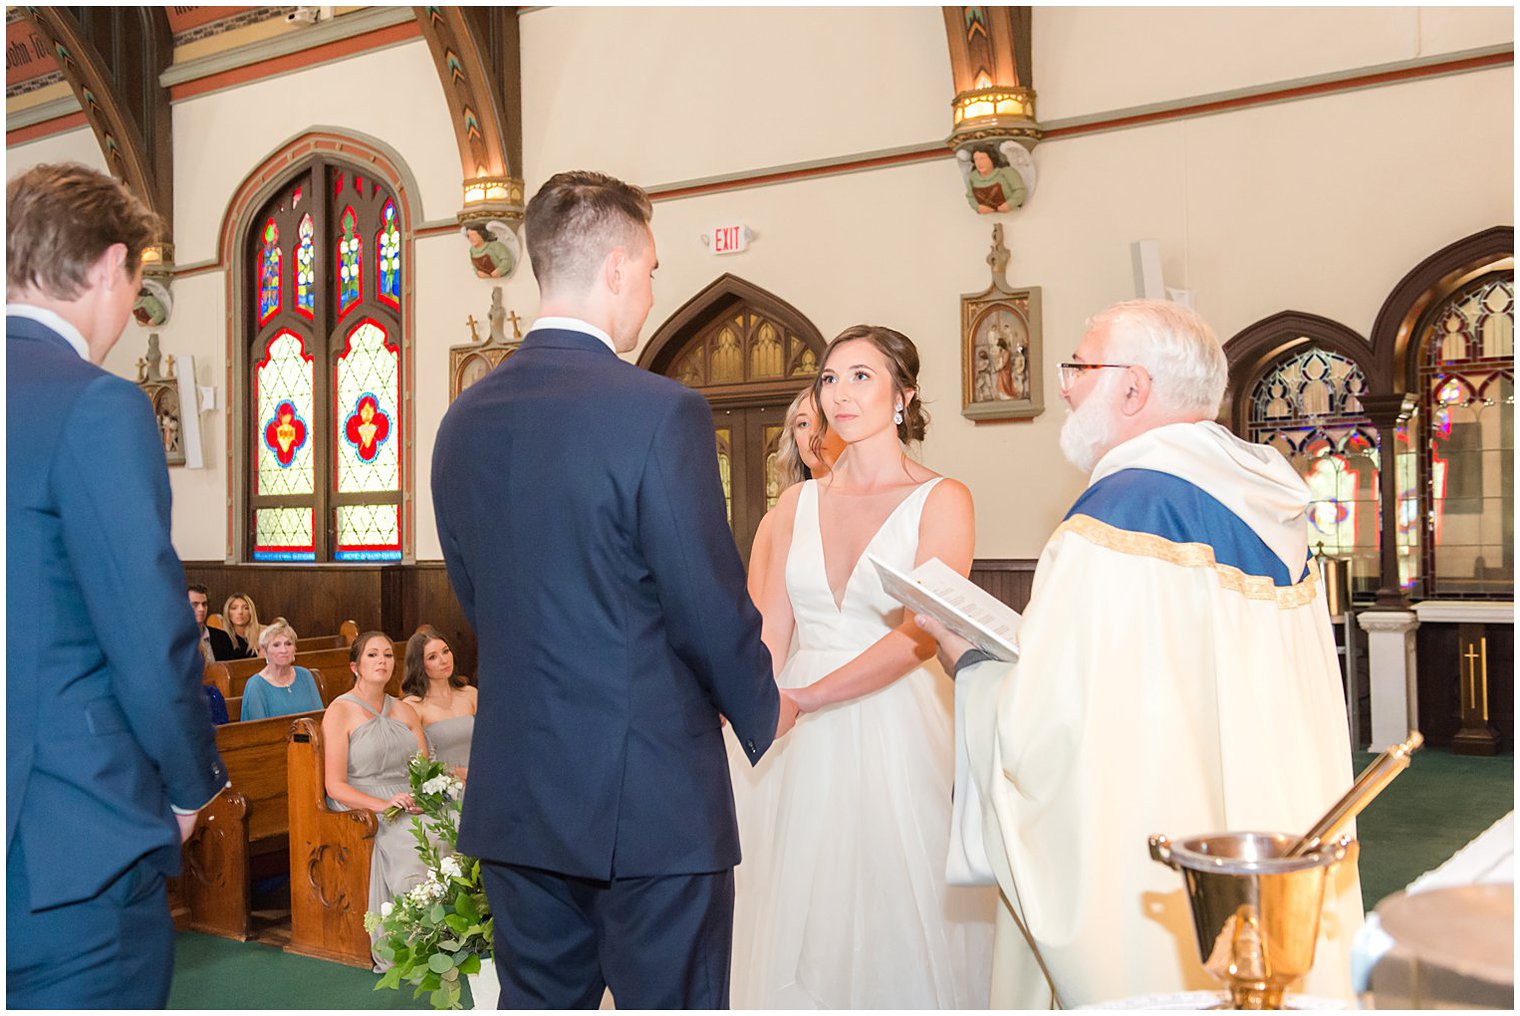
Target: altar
1445,668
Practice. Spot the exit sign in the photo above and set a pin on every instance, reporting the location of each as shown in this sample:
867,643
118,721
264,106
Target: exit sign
730,239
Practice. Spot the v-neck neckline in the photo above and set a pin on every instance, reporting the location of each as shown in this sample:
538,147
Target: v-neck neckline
823,554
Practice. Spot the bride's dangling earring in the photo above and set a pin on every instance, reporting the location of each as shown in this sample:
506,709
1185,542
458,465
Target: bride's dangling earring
897,417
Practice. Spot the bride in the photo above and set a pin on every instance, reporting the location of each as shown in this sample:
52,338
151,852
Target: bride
841,899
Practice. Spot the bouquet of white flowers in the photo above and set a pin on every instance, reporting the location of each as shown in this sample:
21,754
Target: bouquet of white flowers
442,928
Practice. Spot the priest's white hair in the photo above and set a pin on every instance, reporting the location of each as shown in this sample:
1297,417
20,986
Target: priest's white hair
1176,345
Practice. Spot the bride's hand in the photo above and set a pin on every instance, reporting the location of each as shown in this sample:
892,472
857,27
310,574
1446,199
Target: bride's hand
786,718
806,698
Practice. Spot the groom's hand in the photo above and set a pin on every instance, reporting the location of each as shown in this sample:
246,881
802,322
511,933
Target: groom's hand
786,719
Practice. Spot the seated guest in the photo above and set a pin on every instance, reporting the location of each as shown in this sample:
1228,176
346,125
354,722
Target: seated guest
369,738
216,704
242,620
444,700
281,688
215,643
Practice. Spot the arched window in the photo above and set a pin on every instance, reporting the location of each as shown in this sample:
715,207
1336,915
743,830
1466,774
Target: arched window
1298,382
1465,371
1307,405
324,378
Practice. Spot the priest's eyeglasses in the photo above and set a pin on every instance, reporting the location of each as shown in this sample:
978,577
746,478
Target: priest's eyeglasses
1069,372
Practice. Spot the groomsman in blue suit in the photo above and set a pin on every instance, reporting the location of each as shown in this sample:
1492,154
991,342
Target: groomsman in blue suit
583,525
109,751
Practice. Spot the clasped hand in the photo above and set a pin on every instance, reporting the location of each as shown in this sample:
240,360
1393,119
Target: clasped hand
405,802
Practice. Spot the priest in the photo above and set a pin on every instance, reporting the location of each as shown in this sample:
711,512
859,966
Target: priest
1176,675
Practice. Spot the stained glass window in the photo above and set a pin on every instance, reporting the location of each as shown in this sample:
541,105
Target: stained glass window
283,534
284,385
1467,425
350,262
322,423
772,466
269,274
1308,407
369,532
368,375
726,469
744,346
388,255
306,268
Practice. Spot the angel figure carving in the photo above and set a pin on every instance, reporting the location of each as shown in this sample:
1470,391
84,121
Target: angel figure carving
999,177
494,249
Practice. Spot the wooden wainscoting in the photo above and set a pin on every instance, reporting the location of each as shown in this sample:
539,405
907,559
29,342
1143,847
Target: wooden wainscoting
1007,578
395,599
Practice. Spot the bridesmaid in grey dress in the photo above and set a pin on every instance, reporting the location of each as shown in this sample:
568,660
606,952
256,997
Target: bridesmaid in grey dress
444,700
370,737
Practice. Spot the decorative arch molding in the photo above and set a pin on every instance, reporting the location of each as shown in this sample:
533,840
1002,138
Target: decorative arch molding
1426,285
1255,348
476,52
371,157
723,293
123,102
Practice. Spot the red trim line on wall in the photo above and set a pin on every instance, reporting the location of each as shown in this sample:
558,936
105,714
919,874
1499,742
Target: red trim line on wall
46,128
939,151
351,46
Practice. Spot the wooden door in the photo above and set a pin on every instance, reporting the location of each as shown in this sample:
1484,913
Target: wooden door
747,440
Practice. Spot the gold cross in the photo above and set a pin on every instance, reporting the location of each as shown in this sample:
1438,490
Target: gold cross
516,331
474,335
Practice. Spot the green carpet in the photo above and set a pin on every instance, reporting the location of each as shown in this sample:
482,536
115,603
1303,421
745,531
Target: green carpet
1428,813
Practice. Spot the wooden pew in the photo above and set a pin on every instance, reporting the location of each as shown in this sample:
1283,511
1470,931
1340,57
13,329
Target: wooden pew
250,817
230,676
347,632
329,859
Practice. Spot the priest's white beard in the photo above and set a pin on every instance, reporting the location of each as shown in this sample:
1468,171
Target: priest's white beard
1089,429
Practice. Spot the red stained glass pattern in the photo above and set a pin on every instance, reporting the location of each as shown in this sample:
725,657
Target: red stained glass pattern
368,427
368,397
269,274
285,434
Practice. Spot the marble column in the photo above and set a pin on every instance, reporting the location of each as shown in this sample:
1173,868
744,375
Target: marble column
1391,666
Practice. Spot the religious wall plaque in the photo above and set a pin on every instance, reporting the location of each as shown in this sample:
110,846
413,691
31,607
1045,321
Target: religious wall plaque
1002,356
469,363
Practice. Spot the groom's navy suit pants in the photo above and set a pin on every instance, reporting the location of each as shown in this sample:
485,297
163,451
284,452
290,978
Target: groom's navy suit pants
561,940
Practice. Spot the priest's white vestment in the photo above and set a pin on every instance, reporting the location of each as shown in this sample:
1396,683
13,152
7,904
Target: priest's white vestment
1177,675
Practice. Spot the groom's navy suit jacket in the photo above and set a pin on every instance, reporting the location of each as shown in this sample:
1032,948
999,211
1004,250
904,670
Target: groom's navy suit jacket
583,525
105,721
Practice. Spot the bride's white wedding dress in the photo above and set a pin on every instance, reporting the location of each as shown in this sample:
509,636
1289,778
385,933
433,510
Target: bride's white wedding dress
841,897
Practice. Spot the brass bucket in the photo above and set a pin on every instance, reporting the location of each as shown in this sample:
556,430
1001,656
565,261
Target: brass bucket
1256,912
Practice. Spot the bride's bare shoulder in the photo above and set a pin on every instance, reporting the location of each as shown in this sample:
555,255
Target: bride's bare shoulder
948,496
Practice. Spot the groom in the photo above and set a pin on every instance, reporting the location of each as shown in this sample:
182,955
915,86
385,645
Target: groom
582,521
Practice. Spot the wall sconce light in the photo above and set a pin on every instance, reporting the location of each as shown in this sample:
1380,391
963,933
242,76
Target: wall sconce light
492,192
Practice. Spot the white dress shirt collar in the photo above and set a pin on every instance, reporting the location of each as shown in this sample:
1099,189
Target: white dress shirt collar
53,320
571,324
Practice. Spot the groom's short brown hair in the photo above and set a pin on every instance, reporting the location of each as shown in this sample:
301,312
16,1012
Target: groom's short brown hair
60,218
576,219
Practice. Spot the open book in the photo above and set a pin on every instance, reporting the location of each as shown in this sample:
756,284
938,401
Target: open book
971,612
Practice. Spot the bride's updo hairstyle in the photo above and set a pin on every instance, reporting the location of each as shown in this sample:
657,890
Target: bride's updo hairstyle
902,360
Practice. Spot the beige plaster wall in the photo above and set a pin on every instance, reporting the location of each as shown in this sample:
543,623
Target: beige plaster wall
1319,205
1159,54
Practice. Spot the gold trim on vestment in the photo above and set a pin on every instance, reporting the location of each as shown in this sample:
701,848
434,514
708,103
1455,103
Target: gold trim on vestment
1192,555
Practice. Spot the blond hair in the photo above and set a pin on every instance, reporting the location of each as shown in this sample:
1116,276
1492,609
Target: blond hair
273,630
253,629
60,219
